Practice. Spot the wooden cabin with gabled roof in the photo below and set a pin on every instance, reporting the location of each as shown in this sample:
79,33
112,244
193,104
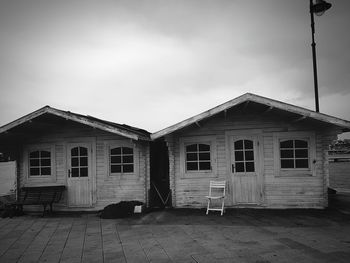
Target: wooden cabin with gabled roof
99,162
271,154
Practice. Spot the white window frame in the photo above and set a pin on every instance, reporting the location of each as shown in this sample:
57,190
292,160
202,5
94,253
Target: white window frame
211,141
309,137
115,144
40,178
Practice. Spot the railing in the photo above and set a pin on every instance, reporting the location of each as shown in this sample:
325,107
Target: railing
339,155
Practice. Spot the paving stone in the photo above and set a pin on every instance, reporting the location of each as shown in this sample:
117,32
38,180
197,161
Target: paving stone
179,236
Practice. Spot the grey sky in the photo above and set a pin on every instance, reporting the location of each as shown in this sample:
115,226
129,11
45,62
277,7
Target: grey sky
153,63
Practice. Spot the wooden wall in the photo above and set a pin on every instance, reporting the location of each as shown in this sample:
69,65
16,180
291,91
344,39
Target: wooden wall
106,189
276,192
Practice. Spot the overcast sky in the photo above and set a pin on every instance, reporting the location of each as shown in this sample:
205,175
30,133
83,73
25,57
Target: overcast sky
151,64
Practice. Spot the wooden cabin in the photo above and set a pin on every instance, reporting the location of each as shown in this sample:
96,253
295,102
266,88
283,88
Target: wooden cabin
270,153
99,162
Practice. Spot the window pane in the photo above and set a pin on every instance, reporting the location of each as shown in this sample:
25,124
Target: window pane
75,161
116,159
239,167
302,163
34,154
300,144
248,144
84,172
204,156
75,172
286,144
204,147
116,150
34,171
46,171
287,163
192,157
45,154
116,169
128,168
83,151
301,153
127,150
83,161
249,167
239,145
192,148
34,162
45,162
191,166
287,154
128,159
249,155
239,156
204,166
74,151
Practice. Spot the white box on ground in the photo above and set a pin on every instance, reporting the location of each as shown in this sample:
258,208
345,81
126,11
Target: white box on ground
138,209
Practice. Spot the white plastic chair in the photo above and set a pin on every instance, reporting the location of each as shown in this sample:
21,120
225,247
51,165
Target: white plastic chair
216,192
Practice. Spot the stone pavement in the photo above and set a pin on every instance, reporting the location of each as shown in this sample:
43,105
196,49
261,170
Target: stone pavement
241,235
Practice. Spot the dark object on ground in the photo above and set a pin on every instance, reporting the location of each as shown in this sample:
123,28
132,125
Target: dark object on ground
10,211
119,210
7,199
39,195
331,191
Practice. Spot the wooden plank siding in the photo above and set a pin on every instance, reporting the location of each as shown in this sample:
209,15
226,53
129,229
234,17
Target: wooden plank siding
106,189
276,191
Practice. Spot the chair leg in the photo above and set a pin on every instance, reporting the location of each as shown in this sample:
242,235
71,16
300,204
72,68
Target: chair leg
222,206
208,205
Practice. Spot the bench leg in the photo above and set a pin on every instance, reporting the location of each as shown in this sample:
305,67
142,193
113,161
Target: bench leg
44,205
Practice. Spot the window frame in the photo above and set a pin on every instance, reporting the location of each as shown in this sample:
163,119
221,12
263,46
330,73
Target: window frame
198,161
79,157
40,147
309,137
116,144
39,166
294,158
233,151
185,141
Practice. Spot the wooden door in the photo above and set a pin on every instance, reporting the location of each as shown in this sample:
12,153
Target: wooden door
245,169
79,174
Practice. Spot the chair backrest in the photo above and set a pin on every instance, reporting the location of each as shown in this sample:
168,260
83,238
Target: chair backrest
220,186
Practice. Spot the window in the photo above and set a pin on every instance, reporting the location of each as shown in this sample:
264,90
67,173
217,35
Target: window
294,154
39,163
79,161
244,156
198,157
121,160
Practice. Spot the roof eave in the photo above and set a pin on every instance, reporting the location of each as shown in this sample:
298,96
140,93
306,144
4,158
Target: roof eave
254,98
83,120
72,117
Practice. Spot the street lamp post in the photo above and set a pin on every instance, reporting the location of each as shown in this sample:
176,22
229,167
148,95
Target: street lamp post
319,8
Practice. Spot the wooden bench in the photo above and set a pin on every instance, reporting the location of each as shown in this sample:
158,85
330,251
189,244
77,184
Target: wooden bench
39,195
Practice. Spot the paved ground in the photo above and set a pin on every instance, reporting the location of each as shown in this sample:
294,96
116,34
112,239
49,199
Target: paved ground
241,235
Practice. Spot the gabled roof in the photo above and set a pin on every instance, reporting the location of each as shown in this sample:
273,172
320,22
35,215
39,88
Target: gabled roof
111,127
249,97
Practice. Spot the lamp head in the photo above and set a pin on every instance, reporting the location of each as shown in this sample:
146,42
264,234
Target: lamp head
320,7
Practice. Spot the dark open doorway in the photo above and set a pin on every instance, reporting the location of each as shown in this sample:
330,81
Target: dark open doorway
160,194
